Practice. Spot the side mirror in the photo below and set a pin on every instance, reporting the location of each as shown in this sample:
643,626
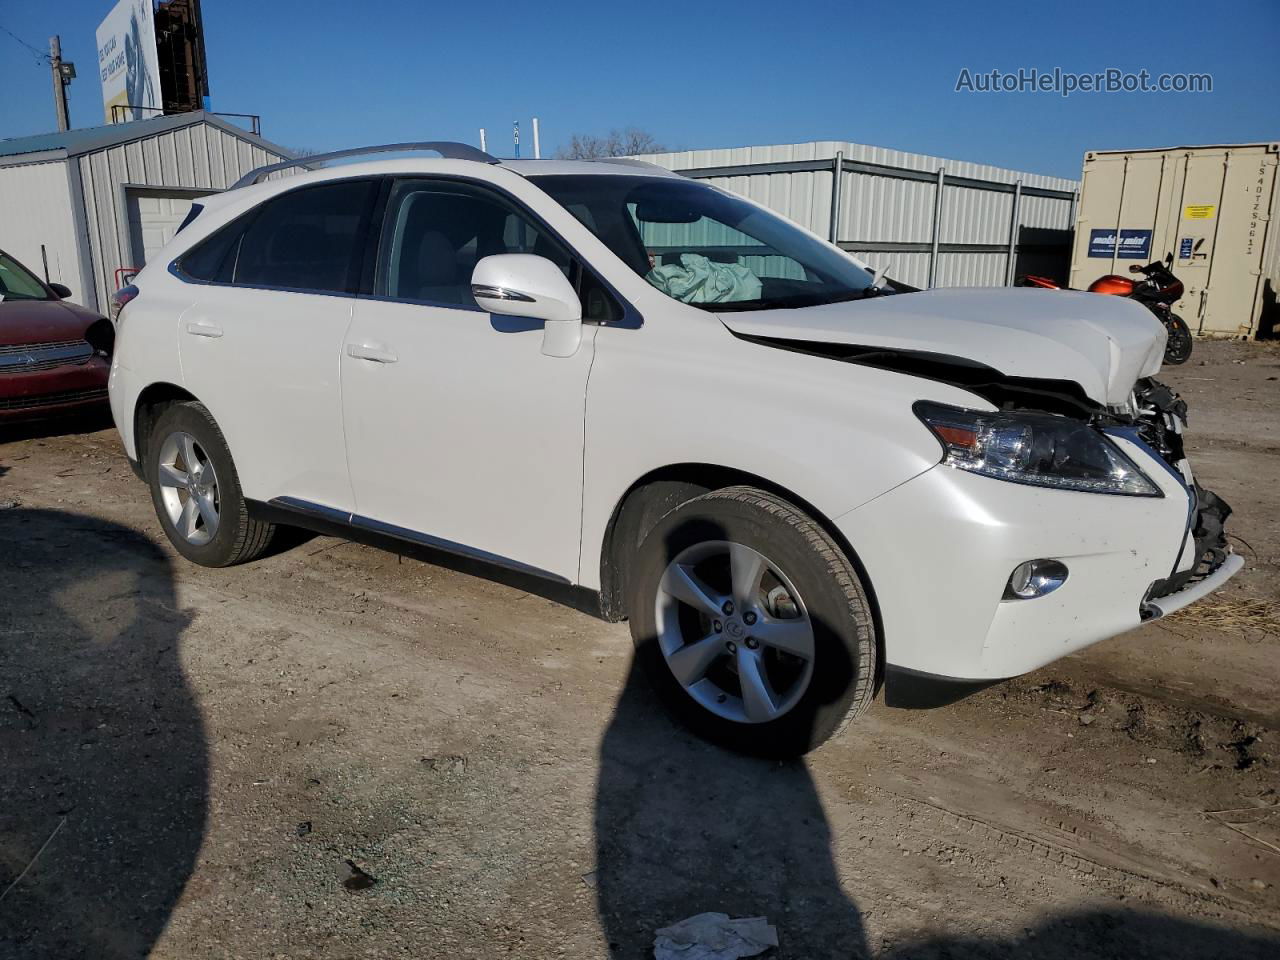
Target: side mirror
1168,260
525,285
61,290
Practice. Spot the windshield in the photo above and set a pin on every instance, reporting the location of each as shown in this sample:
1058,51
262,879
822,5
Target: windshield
702,246
18,283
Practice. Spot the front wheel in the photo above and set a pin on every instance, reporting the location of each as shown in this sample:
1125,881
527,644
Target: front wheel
1177,348
752,623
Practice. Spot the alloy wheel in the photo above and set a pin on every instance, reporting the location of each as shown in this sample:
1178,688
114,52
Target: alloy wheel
188,488
734,631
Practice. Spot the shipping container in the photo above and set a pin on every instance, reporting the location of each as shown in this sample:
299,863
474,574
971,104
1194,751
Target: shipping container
927,220
1212,208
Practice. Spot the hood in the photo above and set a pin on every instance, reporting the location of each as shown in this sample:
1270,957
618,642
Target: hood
25,322
1101,343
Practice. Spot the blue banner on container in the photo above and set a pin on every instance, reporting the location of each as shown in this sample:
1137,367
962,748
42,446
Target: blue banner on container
1132,244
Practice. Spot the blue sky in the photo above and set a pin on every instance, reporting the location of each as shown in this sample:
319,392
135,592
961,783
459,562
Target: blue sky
326,75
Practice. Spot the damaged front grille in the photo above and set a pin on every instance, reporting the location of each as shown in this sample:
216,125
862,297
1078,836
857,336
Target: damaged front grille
1210,537
1158,415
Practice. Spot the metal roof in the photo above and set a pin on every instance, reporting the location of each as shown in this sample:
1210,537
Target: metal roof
73,143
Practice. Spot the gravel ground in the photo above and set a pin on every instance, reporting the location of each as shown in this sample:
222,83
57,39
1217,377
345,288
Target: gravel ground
340,752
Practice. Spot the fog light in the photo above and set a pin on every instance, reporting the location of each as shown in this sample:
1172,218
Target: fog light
1034,579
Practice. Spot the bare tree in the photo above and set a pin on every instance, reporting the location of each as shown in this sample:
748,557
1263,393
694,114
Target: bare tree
618,143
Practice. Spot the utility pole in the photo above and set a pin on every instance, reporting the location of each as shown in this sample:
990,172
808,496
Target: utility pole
63,74
537,146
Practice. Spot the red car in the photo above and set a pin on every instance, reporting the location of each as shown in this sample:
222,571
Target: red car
54,355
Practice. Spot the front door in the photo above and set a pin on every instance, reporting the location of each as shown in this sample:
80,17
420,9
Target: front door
460,432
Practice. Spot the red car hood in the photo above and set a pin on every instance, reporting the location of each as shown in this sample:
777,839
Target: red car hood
42,321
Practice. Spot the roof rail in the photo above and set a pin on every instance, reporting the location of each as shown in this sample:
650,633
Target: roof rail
446,148
631,162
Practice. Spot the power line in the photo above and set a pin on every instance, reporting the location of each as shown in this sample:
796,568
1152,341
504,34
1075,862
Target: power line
41,57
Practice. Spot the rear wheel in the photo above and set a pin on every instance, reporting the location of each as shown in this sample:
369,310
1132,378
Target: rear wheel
751,623
1178,347
196,491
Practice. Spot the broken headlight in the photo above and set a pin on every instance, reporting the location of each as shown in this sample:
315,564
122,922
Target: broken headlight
1039,449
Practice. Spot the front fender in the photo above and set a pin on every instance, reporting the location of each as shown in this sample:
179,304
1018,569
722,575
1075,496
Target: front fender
835,435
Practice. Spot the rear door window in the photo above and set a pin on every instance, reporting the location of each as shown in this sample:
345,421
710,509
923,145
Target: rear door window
308,239
311,239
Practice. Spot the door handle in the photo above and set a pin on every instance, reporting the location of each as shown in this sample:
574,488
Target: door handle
203,328
376,352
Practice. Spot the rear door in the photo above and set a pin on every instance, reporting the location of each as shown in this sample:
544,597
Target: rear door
260,347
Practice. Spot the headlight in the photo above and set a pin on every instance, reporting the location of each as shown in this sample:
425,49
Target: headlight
1038,449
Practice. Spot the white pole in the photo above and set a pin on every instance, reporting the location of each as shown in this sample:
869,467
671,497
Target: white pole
483,147
537,148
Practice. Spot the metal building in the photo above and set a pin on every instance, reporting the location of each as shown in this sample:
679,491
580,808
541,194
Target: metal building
928,221
1213,208
87,206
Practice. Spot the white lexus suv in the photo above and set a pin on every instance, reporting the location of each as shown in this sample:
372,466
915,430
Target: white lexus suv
800,481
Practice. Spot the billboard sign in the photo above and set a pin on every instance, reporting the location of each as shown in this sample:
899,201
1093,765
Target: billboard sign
127,62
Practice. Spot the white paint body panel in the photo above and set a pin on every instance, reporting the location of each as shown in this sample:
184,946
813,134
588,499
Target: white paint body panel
470,412
1102,343
940,549
454,424
267,365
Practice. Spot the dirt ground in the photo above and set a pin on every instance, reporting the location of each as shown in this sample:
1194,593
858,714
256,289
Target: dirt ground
339,752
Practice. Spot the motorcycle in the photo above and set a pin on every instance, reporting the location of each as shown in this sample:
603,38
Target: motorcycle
1158,290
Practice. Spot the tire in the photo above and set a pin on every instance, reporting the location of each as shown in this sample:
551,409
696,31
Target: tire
224,537
1178,347
681,576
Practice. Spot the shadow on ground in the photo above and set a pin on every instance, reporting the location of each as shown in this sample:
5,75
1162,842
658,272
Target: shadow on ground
88,421
103,786
683,828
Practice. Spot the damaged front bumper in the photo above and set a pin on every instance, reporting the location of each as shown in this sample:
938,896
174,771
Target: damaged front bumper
939,549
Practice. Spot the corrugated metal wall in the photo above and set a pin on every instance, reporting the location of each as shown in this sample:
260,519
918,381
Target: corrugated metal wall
198,157
879,207
36,209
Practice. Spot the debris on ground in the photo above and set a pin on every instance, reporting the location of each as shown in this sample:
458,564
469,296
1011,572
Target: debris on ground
1224,610
355,879
450,764
714,936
